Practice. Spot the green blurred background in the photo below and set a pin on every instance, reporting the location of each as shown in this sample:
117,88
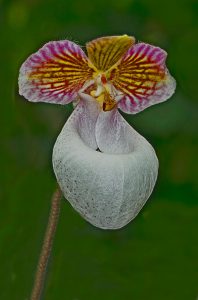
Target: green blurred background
156,256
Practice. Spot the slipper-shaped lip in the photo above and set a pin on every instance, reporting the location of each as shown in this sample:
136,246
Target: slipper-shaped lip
107,188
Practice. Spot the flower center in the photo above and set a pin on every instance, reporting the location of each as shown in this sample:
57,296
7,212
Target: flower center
103,92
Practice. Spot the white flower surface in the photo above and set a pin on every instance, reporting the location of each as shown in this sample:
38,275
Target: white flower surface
107,188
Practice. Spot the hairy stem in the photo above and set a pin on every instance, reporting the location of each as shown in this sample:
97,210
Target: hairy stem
41,274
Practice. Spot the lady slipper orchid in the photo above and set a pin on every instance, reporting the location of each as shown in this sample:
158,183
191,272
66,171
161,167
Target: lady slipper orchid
105,169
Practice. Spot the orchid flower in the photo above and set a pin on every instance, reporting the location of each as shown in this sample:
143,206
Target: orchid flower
105,168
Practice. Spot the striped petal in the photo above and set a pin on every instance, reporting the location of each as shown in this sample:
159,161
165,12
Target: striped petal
106,51
55,73
142,78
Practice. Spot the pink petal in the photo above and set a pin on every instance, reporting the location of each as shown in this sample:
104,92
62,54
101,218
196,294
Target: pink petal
55,73
142,78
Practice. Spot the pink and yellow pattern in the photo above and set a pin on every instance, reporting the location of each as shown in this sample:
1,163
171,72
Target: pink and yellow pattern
115,71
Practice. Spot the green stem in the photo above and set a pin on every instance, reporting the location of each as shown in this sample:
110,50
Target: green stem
41,273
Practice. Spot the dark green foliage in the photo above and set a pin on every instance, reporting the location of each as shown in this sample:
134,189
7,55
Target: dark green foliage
156,256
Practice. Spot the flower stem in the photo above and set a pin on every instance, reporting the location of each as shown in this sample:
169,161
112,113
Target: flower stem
41,274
